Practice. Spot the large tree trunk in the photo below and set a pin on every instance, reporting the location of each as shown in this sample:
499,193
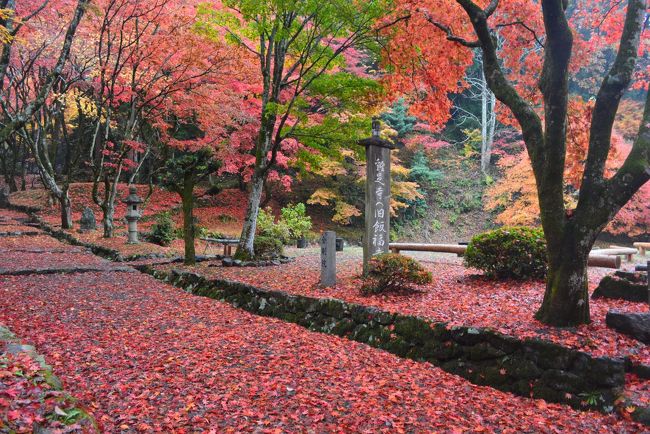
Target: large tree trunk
9,167
188,222
566,300
246,242
10,179
66,210
570,234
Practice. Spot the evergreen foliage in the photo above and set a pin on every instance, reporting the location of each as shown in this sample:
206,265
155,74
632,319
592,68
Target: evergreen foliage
399,119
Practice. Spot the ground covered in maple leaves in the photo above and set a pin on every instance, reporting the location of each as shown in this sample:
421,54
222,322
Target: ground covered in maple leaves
145,356
28,400
221,214
458,296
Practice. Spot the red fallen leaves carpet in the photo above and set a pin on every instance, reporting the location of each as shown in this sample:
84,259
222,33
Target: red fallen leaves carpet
456,296
146,357
22,260
37,242
18,229
27,400
80,197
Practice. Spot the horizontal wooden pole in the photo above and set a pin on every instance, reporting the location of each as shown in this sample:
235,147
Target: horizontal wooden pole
604,261
595,260
615,251
417,247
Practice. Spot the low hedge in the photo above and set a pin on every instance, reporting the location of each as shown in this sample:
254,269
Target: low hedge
509,253
391,272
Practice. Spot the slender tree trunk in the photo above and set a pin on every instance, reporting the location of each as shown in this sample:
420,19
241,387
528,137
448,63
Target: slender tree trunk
246,242
23,171
484,125
188,222
66,210
109,212
108,205
488,123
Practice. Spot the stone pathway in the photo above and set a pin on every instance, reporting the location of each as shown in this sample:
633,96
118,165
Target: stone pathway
143,356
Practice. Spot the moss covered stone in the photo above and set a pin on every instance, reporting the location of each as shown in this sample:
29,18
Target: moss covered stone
616,287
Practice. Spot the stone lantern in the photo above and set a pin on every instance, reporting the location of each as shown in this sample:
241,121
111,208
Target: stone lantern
133,202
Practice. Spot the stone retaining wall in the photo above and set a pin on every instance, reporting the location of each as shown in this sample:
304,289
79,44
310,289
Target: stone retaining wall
530,367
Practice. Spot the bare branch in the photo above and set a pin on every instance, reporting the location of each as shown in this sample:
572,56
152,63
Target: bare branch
525,26
449,32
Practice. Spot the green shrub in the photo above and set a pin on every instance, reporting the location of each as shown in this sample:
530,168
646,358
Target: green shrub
267,247
509,253
391,272
296,220
267,226
203,232
422,173
163,231
216,234
226,218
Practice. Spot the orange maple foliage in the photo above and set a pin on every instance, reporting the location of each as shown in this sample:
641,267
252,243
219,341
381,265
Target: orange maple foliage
514,196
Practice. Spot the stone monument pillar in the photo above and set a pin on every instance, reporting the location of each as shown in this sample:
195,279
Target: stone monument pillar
133,202
377,210
88,221
328,259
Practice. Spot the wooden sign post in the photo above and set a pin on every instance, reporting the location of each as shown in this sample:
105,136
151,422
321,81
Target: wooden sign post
377,210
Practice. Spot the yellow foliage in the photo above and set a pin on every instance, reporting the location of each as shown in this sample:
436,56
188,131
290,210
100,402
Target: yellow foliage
5,36
322,196
77,103
404,190
344,212
331,168
473,140
397,170
515,195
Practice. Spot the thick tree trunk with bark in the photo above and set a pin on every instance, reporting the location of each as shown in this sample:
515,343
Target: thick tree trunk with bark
569,234
566,299
10,179
8,158
187,198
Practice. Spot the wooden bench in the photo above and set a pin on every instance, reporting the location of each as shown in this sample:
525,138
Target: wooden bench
227,244
642,247
595,259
